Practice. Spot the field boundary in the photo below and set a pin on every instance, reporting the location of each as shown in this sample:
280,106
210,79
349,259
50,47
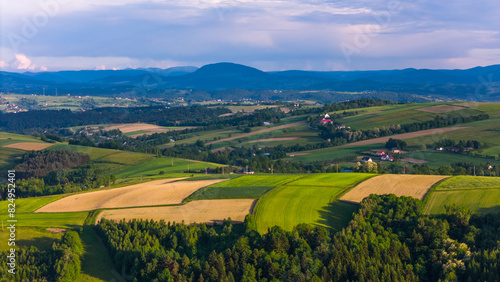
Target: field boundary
431,190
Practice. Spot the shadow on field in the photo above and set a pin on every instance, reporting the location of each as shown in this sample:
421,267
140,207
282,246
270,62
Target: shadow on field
336,215
494,209
41,243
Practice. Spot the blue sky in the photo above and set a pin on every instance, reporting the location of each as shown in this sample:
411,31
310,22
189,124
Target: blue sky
56,35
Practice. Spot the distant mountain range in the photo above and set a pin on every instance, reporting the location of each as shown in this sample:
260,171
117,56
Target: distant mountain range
480,83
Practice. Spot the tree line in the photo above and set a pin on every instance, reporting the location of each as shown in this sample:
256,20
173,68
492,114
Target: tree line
55,119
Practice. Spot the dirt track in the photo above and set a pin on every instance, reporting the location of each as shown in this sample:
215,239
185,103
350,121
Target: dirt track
403,136
259,132
401,185
158,192
209,211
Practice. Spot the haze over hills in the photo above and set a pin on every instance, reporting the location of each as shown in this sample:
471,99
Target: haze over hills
478,84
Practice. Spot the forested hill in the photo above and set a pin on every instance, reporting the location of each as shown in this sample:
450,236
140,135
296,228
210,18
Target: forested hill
480,83
195,115
389,239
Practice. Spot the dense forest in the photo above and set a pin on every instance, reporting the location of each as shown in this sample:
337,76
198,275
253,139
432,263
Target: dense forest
38,163
61,263
56,172
389,239
46,119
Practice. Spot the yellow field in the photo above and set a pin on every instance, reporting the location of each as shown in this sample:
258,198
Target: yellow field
28,146
439,109
415,186
209,211
154,193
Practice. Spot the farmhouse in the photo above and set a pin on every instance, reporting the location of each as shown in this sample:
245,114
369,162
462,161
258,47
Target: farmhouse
395,150
380,153
439,149
366,159
325,121
387,158
455,149
340,126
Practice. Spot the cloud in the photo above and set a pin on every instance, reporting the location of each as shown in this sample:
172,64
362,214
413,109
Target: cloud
23,63
267,34
3,64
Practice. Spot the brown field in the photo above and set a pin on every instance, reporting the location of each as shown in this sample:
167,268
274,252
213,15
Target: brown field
401,185
274,139
403,136
150,128
209,211
28,146
285,110
154,193
258,132
440,109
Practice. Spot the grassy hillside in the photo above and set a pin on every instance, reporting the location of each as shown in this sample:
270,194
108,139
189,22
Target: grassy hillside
248,186
480,194
312,199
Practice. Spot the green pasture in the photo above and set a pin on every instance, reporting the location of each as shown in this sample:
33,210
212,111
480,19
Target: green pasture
468,183
244,187
442,158
154,166
477,200
291,204
12,138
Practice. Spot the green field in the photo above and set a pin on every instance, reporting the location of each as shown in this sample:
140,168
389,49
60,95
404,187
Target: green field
332,153
479,194
247,186
478,200
154,166
292,204
11,138
26,217
437,158
29,236
468,182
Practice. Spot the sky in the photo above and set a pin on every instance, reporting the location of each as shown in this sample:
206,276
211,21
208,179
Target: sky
52,35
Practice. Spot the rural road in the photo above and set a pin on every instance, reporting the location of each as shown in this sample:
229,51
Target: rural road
258,132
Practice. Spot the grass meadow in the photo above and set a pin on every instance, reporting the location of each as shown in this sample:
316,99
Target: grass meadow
315,202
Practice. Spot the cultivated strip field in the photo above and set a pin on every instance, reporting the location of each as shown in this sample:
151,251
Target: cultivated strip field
159,192
403,136
415,186
28,146
209,211
265,130
440,109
